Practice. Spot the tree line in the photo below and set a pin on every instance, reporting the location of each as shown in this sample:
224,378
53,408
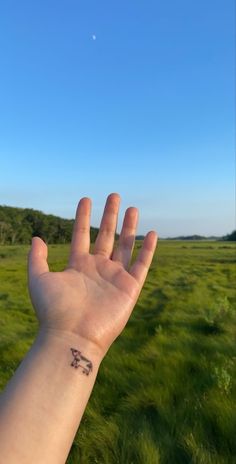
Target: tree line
19,225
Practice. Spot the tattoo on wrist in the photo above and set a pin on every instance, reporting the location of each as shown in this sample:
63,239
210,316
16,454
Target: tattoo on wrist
80,361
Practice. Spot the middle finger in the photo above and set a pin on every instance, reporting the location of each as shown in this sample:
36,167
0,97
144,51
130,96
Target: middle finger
105,240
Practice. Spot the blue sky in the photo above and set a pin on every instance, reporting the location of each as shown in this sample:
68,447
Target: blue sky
144,108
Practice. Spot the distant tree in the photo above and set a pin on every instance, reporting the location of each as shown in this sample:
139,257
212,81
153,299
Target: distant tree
19,225
4,231
230,237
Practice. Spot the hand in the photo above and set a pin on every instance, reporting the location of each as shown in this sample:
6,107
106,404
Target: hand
96,293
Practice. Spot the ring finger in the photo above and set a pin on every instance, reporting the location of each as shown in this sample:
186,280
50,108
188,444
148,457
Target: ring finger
124,251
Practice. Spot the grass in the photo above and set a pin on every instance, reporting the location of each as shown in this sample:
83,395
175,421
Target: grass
166,391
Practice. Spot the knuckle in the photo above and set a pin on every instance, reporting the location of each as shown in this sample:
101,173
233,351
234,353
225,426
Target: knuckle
127,242
82,229
102,251
107,230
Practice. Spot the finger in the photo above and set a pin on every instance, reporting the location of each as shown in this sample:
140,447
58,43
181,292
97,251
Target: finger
125,247
105,239
141,266
80,242
37,258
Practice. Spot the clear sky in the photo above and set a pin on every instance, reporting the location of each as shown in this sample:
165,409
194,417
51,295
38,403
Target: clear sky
129,96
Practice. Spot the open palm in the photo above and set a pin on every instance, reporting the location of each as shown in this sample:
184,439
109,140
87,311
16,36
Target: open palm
96,293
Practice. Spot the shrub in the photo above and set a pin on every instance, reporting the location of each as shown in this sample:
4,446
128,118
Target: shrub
218,313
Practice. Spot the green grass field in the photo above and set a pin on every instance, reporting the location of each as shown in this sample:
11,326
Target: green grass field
166,391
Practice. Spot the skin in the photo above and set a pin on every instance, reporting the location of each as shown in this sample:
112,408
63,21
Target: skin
85,307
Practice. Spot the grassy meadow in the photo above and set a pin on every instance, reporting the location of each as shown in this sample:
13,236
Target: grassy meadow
166,391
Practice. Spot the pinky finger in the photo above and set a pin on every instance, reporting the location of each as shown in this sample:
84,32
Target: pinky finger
140,267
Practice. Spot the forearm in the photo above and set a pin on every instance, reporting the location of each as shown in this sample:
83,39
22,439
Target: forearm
42,405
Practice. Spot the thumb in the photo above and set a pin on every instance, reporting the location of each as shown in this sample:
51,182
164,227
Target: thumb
37,258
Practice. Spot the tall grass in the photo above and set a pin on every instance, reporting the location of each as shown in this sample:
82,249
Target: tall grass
166,391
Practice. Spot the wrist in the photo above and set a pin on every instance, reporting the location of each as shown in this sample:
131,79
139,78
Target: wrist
70,341
44,401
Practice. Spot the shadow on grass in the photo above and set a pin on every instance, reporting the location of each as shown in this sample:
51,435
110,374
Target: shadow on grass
207,328
200,326
156,302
